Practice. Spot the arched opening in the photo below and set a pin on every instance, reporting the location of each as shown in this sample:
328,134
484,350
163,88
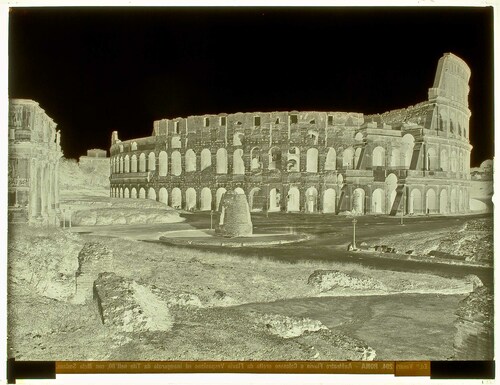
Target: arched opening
430,201
134,146
378,157
238,164
311,200
190,199
126,193
120,193
142,193
190,161
415,203
443,202
176,142
256,200
274,200
206,199
163,195
163,163
142,162
293,201
347,158
453,161
443,160
407,143
431,159
329,201
206,159
395,157
255,163
151,161
460,201
133,193
331,160
358,201
239,190
126,165
313,136
312,160
293,159
176,198
453,200
133,163
221,161
176,163
152,194
238,139
391,181
218,196
274,158
378,201
120,169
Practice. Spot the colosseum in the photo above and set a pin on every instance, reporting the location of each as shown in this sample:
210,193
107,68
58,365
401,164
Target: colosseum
413,160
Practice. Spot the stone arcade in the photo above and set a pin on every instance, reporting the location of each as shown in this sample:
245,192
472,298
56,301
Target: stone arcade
413,160
34,153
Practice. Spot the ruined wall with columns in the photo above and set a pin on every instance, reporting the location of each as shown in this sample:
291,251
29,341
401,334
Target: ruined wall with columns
34,153
413,160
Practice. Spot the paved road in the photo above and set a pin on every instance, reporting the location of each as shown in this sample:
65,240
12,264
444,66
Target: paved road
334,233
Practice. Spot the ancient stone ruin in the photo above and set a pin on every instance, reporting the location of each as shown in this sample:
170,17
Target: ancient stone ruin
234,220
413,160
474,335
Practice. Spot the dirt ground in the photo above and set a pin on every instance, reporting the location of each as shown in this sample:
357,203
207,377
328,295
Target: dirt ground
211,326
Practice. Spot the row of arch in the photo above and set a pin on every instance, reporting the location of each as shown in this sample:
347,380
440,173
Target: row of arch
399,157
452,200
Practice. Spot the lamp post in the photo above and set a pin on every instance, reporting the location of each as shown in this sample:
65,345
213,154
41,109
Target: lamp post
354,234
403,208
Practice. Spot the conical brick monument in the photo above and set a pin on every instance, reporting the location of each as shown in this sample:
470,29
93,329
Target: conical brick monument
234,220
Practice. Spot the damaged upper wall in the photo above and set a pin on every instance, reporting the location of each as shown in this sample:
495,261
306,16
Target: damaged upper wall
446,111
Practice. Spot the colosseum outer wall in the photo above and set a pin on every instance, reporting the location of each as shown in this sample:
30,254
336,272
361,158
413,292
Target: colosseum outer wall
414,159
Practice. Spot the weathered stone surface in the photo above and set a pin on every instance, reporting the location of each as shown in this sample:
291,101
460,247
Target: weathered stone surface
314,333
288,327
235,220
326,280
44,259
94,258
474,336
128,306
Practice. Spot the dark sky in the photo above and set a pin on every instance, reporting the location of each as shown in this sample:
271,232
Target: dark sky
98,70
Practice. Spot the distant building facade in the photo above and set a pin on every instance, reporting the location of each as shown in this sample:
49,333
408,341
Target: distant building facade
34,153
413,160
96,164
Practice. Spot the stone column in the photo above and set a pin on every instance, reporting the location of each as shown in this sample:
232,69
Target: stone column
50,189
43,190
33,188
56,185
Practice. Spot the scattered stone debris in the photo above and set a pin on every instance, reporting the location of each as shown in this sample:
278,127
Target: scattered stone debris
474,280
474,336
326,280
314,334
128,306
287,327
